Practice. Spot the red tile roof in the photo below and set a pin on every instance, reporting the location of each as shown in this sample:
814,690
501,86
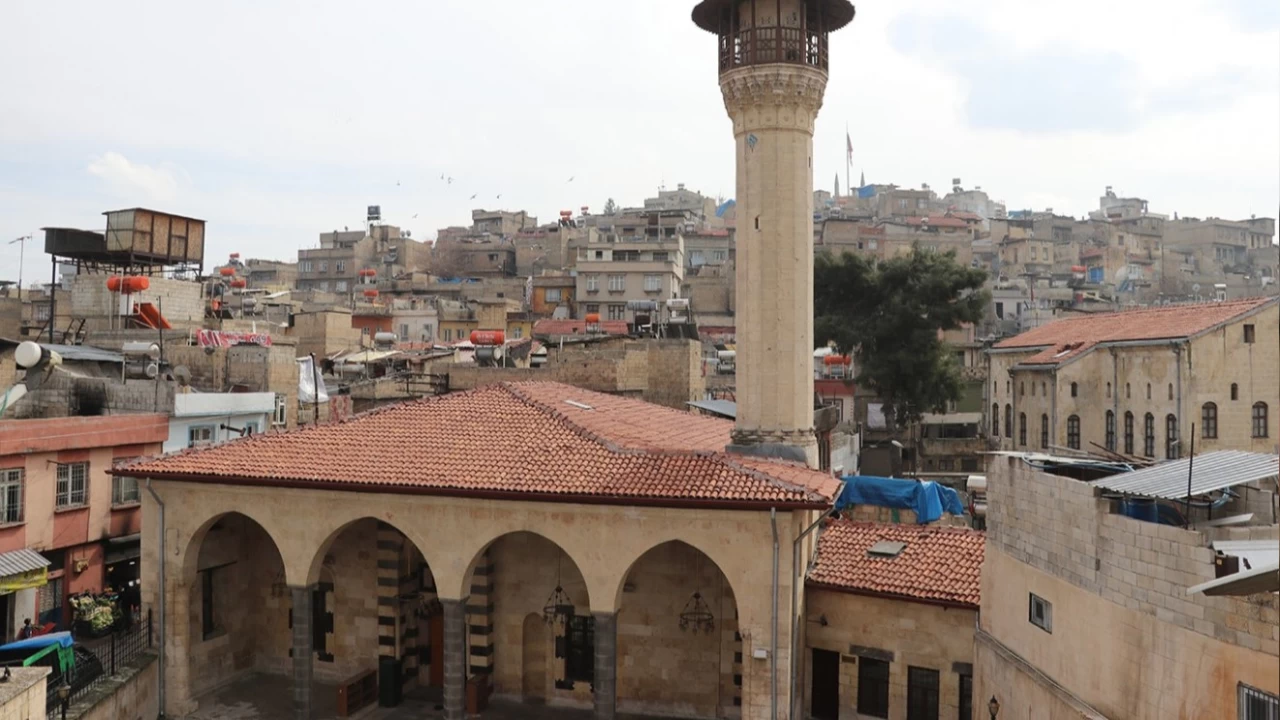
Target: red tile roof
939,564
548,327
1066,339
528,440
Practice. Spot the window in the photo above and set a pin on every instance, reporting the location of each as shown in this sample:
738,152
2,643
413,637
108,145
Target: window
617,283
340,266
340,286
323,286
251,428
1254,704
304,266
873,687
593,308
124,491
1148,391
659,257
719,255
199,435
552,295
1075,390
1044,432
1248,333
966,697
1171,437
1022,429
652,283
1022,389
995,420
1111,430
1041,613
1149,435
1128,391
1008,421
42,313
278,416
447,334
579,640
1128,433
1108,390
617,312
1260,420
1235,391
1073,432
695,258
922,694
208,622
1170,391
73,485
517,332
1209,421
11,495
593,284
324,266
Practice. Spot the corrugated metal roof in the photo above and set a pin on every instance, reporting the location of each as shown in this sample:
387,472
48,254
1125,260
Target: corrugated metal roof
1211,471
1246,582
723,408
15,562
84,353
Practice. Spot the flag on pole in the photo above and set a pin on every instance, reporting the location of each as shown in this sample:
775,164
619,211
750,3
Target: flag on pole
848,141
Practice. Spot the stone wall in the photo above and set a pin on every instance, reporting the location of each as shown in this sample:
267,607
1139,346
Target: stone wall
913,634
23,698
62,394
256,368
1123,583
131,694
10,318
180,301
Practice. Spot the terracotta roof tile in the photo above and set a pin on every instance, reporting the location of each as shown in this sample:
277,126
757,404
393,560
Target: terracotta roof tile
1071,337
938,564
536,438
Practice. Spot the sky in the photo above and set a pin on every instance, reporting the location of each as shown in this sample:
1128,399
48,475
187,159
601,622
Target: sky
276,120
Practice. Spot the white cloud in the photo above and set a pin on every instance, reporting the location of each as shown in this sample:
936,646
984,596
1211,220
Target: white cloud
134,181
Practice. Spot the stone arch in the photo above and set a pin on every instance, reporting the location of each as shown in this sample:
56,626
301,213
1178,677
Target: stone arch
620,582
474,554
315,567
189,551
658,598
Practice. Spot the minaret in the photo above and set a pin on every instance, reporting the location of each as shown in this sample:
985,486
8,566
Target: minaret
773,72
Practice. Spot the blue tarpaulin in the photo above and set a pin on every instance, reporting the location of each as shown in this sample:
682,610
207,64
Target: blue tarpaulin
40,641
928,499
867,191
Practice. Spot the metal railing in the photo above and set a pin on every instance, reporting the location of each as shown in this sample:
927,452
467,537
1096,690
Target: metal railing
113,652
772,44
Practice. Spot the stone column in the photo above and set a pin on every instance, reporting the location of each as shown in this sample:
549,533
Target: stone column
455,658
606,665
303,649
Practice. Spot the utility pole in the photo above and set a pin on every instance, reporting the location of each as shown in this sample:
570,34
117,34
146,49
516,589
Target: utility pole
22,251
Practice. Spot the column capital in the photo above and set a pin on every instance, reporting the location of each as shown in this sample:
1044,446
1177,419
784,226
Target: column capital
773,87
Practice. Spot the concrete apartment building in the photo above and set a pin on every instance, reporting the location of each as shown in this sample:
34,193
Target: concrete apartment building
889,636
335,266
1135,381
632,268
69,527
1088,613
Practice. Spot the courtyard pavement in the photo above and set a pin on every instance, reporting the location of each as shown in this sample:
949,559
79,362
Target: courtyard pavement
267,697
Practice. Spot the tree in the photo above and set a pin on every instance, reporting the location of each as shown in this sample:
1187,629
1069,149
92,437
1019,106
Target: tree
610,207
890,315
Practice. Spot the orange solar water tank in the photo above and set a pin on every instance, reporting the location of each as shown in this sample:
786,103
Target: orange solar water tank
835,360
592,318
371,293
487,337
238,283
227,271
128,284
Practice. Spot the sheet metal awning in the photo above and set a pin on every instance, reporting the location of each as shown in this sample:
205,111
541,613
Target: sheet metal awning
1258,553
22,569
1246,582
723,408
1211,471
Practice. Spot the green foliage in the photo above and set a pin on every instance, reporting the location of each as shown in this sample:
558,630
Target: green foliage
889,315
610,207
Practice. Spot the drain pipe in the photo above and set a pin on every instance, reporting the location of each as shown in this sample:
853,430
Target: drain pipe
773,652
797,577
161,613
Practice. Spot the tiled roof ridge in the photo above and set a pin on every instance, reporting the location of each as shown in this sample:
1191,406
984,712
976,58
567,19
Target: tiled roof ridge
611,446
1139,309
916,529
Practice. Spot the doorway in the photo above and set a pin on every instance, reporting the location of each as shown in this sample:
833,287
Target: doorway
825,704
435,667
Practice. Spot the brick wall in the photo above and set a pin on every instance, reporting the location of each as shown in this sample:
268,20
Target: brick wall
62,394
180,301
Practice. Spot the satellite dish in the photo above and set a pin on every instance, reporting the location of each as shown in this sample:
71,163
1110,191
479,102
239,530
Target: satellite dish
182,374
1195,287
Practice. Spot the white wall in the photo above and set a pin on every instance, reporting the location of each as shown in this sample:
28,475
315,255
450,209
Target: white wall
217,409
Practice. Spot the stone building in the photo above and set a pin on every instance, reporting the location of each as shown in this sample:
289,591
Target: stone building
1134,382
889,635
1086,612
612,274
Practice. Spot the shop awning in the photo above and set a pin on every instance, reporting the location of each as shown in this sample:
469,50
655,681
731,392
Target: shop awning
121,549
22,569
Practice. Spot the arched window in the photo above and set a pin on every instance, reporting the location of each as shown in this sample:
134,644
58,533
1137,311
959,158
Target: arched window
1148,391
1073,432
1128,433
1075,390
1108,390
1235,391
1022,429
1260,420
1209,421
1171,437
1128,391
1111,430
1170,391
1149,435
1008,421
1044,432
995,419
